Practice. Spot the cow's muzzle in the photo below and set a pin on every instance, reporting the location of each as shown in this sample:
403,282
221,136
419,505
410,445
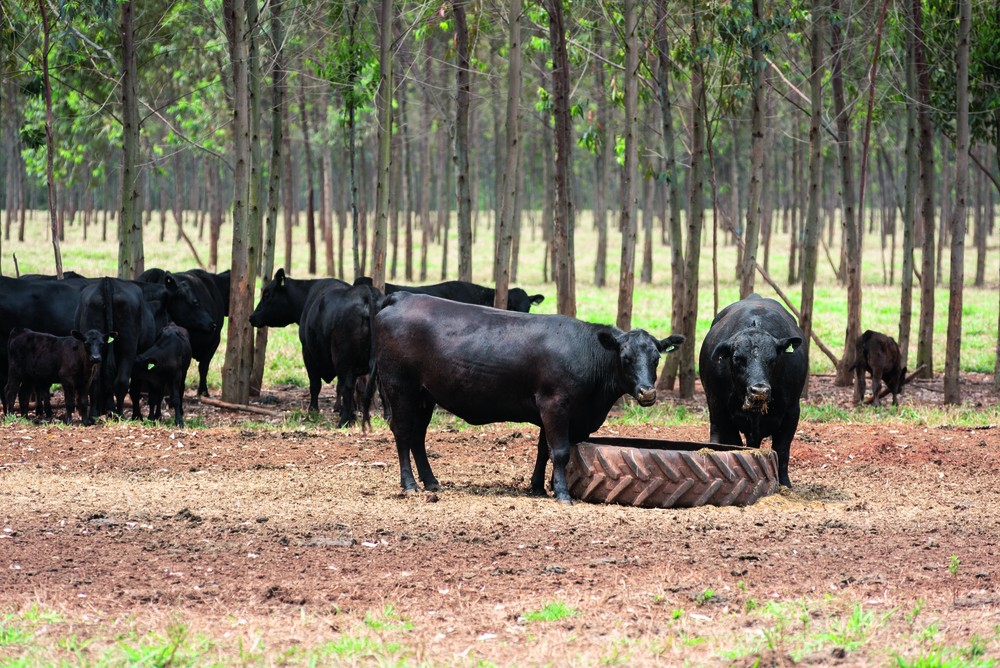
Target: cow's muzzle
646,396
95,359
757,399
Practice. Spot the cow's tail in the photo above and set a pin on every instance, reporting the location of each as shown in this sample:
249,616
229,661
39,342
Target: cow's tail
374,297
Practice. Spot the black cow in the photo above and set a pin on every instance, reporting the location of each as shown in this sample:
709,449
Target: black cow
212,293
39,305
878,354
112,304
470,293
160,370
336,332
486,365
37,360
753,371
283,299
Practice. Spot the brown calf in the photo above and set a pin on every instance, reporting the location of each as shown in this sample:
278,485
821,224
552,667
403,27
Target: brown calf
878,355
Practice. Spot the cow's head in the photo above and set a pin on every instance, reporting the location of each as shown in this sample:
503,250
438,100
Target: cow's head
184,306
273,309
638,354
95,343
751,356
519,300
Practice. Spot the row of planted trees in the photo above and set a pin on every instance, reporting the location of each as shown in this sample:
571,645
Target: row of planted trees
370,123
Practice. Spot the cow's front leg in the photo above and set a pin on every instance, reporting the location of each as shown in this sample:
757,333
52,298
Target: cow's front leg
781,443
541,459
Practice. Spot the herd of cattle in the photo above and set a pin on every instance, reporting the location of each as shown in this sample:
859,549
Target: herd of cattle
439,345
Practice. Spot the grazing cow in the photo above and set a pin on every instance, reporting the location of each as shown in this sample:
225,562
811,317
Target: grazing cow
39,305
336,335
284,299
470,293
753,371
878,355
160,370
486,365
212,293
38,360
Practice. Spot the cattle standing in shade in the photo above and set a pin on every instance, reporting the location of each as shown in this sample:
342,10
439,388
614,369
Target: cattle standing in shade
487,365
470,293
212,293
38,360
878,355
336,335
283,299
160,370
753,370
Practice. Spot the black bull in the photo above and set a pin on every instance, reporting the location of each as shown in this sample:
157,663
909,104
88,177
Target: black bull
487,365
753,370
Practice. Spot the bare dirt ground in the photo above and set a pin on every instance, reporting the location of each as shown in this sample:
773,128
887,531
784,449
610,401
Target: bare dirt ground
277,539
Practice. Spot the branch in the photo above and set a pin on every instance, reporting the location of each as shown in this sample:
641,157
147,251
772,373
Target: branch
218,403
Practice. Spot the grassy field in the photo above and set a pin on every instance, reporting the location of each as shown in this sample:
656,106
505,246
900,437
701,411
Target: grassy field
651,311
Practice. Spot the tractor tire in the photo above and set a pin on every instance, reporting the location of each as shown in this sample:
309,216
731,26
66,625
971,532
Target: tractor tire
669,474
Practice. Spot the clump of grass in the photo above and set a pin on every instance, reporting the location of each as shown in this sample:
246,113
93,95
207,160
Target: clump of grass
553,611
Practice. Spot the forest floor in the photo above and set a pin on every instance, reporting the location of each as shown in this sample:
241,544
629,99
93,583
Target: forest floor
283,546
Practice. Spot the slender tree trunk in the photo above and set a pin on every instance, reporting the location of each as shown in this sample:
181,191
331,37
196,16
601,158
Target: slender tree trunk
648,214
130,251
852,223
925,335
563,218
909,202
310,185
463,88
748,265
274,183
505,227
353,140
953,349
979,226
239,341
326,205
696,211
945,207
288,190
384,110
812,221
630,201
601,160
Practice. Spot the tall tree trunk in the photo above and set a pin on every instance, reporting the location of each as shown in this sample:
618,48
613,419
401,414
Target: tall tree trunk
289,203
352,143
274,183
748,265
811,224
953,348
648,214
239,341
925,335
50,147
463,92
130,251
563,211
910,200
851,217
980,232
630,200
671,365
384,112
505,226
601,160
696,211
310,185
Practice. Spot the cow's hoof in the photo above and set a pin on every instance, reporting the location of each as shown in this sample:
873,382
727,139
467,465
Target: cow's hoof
566,501
538,492
433,487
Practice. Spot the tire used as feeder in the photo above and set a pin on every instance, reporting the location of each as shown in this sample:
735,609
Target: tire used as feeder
655,473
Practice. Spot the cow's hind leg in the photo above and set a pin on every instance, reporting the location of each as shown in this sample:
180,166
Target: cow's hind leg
556,428
345,392
410,417
541,459
876,386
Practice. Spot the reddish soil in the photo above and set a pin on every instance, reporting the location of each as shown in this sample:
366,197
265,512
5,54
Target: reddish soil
292,537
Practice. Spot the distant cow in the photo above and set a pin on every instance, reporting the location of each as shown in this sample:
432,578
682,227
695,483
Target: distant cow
470,293
38,360
486,365
753,370
212,294
160,370
336,335
284,299
878,355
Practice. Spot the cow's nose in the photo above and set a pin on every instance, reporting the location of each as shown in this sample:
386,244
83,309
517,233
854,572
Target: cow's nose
95,359
759,389
646,396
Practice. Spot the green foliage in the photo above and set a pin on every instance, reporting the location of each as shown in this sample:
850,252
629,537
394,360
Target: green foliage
553,611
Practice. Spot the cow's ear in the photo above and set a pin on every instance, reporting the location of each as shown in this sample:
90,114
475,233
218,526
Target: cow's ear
280,275
669,344
723,351
537,299
608,340
789,345
76,335
170,282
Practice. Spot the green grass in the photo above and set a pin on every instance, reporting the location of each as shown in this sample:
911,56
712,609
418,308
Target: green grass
553,611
